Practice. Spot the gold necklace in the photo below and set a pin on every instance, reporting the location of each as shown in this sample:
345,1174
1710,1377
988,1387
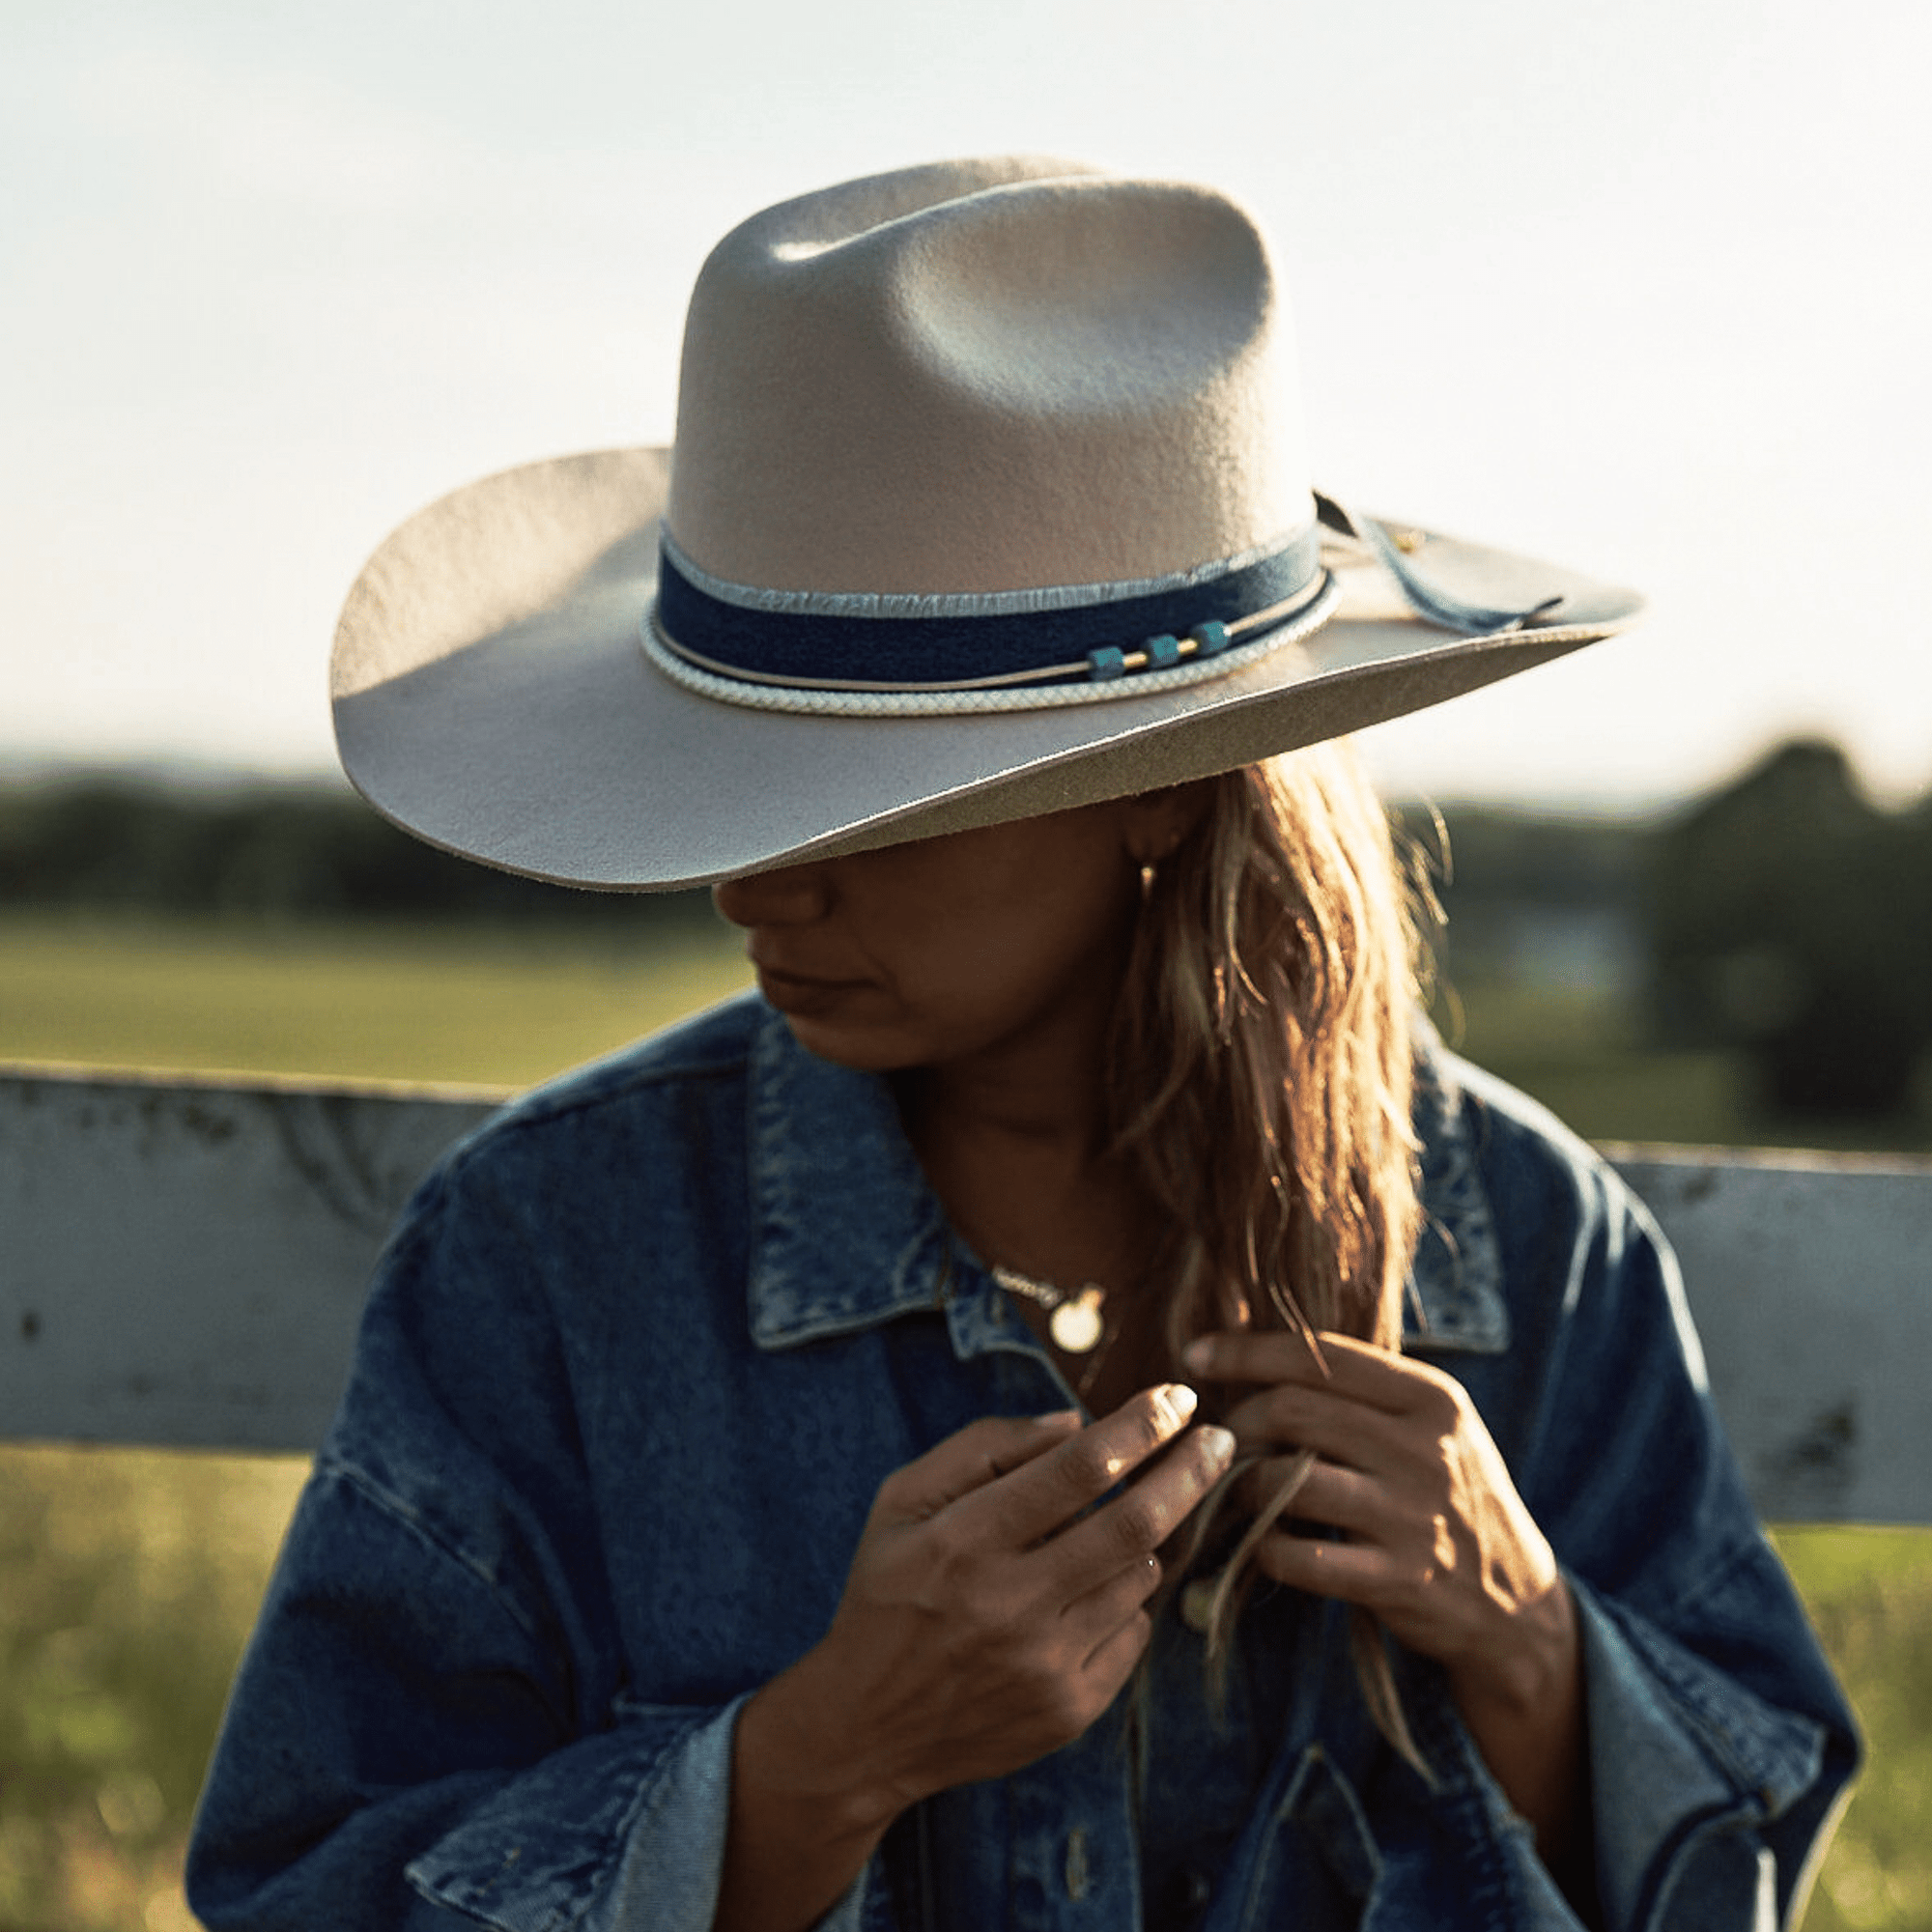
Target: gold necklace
1075,1317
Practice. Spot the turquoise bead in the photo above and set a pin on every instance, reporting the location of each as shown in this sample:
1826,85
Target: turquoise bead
1109,661
1210,638
1163,652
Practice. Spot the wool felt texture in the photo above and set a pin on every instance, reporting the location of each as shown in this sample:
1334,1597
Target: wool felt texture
492,697
971,384
933,401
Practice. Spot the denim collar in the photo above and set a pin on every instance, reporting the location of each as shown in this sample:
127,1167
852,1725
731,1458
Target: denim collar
848,1235
847,1232
1456,1275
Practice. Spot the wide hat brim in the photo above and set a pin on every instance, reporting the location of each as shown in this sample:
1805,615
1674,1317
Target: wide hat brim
491,696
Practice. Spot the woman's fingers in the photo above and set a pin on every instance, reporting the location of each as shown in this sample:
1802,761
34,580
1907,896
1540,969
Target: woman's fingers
1346,1434
1115,1658
1432,1534
978,1455
1358,1370
1116,1605
1354,1572
1005,1488
1136,1523
997,1599
1327,1497
1042,1498
1359,1408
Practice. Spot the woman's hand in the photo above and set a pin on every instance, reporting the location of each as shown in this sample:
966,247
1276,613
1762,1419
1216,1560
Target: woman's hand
1435,1541
993,1609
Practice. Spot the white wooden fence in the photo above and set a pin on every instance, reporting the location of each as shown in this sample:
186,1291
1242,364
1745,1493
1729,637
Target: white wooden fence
183,1262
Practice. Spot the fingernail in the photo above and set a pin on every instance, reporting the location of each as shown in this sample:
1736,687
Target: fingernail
1181,1401
1198,1354
1217,1444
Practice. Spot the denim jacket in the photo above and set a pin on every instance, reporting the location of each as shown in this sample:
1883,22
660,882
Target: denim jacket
634,1365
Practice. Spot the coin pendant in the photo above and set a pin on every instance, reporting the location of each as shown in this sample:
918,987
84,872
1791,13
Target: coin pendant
1076,1325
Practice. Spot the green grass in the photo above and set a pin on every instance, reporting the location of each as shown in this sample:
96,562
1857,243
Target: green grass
129,1578
1869,1592
128,1582
394,1003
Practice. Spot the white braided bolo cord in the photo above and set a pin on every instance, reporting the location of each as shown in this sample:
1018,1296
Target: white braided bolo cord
761,697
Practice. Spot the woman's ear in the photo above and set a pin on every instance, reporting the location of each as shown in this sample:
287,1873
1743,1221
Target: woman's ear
1157,821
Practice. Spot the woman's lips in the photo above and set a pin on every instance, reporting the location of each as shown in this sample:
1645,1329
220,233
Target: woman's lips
801,994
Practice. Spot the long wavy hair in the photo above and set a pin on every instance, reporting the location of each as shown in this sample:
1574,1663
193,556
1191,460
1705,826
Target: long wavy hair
1261,1075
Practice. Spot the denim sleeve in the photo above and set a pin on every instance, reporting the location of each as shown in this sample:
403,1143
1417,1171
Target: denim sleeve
1708,1799
393,1759
432,1726
1720,1743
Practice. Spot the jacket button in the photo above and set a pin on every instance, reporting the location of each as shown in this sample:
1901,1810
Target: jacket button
1197,1604
1079,1875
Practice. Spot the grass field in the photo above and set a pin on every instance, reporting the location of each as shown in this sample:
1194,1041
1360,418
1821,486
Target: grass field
400,1004
128,1578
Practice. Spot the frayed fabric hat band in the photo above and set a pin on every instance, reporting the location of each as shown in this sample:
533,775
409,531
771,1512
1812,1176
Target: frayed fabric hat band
1210,651
894,655
1082,633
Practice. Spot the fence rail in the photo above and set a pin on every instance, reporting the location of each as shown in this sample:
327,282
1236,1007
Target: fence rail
183,1263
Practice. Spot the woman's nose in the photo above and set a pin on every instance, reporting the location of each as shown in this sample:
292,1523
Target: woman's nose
790,895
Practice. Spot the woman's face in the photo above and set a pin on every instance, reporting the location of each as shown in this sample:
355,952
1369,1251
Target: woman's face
1004,938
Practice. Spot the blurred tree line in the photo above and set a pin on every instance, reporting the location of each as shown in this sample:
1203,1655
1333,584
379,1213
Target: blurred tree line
267,850
1789,916
1784,917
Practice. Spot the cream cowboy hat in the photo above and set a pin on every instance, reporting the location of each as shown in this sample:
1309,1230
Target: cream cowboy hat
989,497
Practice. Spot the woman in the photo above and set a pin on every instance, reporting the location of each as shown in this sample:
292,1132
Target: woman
1070,1408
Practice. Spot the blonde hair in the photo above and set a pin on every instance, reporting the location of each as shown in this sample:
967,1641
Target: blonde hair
1262,1077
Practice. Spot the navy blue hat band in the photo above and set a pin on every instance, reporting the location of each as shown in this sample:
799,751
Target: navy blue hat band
1085,642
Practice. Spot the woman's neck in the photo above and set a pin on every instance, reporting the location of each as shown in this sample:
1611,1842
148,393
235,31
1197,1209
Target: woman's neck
1024,1168
1024,1127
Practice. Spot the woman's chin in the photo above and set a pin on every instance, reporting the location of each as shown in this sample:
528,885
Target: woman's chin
854,1047
825,1023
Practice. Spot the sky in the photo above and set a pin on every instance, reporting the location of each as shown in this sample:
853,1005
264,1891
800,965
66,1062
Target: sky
1644,289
